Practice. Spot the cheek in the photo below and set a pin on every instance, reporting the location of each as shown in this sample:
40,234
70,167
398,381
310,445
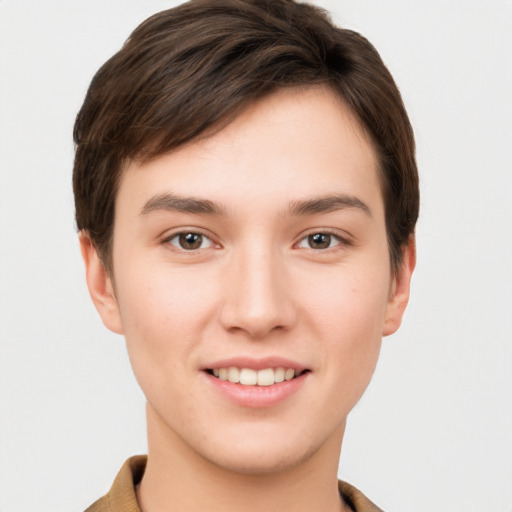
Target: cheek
164,315
348,316
349,302
349,321
163,300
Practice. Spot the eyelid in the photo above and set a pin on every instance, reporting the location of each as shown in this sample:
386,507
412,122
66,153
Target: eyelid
168,236
343,241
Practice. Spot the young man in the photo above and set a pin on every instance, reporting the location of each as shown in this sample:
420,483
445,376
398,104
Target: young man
246,194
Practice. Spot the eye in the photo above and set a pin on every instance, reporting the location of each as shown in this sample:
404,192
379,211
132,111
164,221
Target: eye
190,241
320,241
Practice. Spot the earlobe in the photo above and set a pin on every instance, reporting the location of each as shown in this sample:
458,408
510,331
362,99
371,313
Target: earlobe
400,288
100,286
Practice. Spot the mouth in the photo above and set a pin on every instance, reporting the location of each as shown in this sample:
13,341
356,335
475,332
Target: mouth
252,377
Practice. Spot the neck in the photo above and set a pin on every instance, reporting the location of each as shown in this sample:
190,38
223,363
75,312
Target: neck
179,478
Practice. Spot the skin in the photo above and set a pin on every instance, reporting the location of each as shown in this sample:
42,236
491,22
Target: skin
257,287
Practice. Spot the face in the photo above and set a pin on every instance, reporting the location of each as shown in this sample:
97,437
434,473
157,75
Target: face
257,255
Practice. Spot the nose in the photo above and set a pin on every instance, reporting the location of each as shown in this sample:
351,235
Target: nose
258,296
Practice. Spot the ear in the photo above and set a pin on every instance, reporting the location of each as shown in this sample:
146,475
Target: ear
400,288
100,285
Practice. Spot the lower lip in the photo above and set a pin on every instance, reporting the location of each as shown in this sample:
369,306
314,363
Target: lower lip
257,396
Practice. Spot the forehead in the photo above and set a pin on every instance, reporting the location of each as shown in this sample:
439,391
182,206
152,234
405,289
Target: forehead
295,142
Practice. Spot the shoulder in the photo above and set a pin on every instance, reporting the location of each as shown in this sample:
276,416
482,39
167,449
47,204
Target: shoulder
122,496
356,499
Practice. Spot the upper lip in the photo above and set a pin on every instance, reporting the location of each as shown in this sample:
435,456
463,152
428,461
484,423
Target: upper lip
256,363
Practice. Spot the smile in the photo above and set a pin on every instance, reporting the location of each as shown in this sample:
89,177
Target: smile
250,377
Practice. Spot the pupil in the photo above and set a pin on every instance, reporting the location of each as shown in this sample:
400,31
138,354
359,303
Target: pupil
320,241
191,240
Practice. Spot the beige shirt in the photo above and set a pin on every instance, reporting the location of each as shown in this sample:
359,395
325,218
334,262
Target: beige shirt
122,497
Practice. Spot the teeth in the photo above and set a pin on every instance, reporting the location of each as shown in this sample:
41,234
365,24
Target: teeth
250,377
289,374
233,374
266,377
279,374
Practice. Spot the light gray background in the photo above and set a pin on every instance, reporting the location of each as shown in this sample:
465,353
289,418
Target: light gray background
433,432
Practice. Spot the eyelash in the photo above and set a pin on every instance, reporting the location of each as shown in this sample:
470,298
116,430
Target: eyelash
340,241
179,237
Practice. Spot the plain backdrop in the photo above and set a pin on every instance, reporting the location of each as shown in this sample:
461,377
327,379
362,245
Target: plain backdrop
434,430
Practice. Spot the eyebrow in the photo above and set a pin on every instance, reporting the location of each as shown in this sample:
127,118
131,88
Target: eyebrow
326,204
171,202
299,207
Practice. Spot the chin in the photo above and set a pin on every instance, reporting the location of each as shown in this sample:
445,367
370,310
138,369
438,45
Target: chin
261,463
261,454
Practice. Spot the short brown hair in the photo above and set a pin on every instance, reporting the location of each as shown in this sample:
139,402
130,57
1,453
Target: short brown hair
189,70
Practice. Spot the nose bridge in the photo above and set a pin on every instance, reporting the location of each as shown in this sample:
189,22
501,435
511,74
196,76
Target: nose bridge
257,293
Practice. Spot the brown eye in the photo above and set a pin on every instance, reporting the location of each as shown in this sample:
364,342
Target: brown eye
190,241
319,241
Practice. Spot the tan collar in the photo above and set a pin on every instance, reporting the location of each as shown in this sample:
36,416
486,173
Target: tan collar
122,497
